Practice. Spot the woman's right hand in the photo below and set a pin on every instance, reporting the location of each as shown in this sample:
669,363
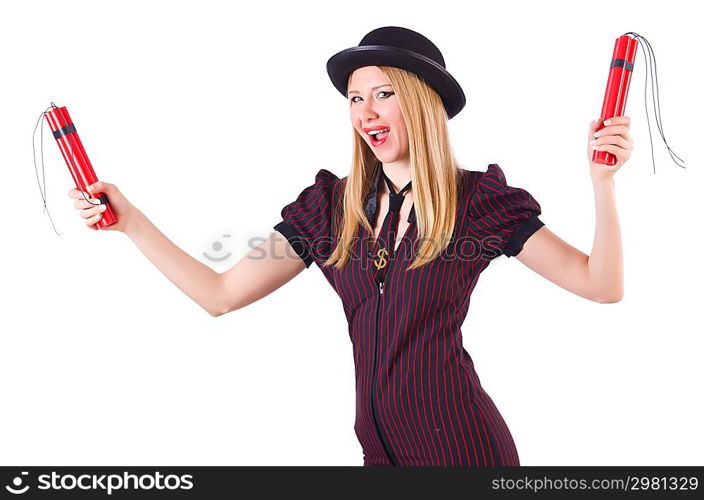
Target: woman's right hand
92,211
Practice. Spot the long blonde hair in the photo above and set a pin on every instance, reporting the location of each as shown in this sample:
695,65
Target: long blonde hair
434,172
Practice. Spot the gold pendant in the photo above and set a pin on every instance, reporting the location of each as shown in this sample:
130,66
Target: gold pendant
381,254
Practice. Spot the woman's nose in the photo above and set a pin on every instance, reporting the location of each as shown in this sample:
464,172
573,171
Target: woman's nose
368,110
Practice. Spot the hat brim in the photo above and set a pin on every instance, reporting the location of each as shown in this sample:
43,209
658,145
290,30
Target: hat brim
346,61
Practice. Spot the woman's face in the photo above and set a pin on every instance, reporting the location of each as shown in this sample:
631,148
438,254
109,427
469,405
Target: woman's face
373,105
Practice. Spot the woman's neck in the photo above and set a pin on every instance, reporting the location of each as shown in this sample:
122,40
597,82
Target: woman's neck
399,173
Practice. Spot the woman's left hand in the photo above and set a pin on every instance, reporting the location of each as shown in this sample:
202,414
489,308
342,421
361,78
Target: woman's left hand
614,138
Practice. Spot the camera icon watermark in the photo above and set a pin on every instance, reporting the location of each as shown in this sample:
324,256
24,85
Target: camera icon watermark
217,247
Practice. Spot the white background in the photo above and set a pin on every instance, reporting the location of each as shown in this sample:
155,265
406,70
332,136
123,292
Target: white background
202,112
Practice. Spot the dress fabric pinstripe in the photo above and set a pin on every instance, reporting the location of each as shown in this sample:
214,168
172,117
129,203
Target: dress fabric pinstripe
419,400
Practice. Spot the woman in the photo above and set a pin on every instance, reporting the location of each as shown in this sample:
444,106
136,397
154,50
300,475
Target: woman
403,240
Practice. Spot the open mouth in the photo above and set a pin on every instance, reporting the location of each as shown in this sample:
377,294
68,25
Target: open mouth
379,138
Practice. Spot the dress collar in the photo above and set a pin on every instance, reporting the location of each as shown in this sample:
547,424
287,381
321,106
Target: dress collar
371,202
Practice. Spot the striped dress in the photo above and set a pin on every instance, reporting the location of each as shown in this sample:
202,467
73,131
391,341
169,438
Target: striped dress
419,401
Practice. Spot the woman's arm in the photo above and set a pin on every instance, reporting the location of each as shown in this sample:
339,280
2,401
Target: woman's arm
261,271
257,274
598,276
194,278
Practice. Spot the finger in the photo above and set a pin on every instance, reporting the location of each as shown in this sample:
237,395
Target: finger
610,139
90,202
93,220
100,187
611,132
594,125
618,120
621,156
76,194
611,148
614,130
626,135
90,212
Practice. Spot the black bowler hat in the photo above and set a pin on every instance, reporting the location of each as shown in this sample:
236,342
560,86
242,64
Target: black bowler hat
401,48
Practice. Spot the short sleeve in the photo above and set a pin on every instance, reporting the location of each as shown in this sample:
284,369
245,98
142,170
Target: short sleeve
307,221
502,217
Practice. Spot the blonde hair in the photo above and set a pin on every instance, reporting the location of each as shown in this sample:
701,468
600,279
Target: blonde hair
434,172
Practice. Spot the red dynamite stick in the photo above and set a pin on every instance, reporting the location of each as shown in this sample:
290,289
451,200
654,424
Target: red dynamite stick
617,89
77,160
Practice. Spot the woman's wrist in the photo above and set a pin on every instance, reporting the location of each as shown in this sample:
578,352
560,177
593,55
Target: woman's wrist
601,177
134,223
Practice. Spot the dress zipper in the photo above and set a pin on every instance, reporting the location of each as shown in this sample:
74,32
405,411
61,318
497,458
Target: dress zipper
375,417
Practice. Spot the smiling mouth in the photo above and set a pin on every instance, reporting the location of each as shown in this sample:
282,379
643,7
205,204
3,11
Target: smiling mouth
379,138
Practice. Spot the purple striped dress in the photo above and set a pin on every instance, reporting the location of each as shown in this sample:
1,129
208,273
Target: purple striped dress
419,401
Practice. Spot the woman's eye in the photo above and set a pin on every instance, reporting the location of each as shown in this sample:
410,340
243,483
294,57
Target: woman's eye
380,92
